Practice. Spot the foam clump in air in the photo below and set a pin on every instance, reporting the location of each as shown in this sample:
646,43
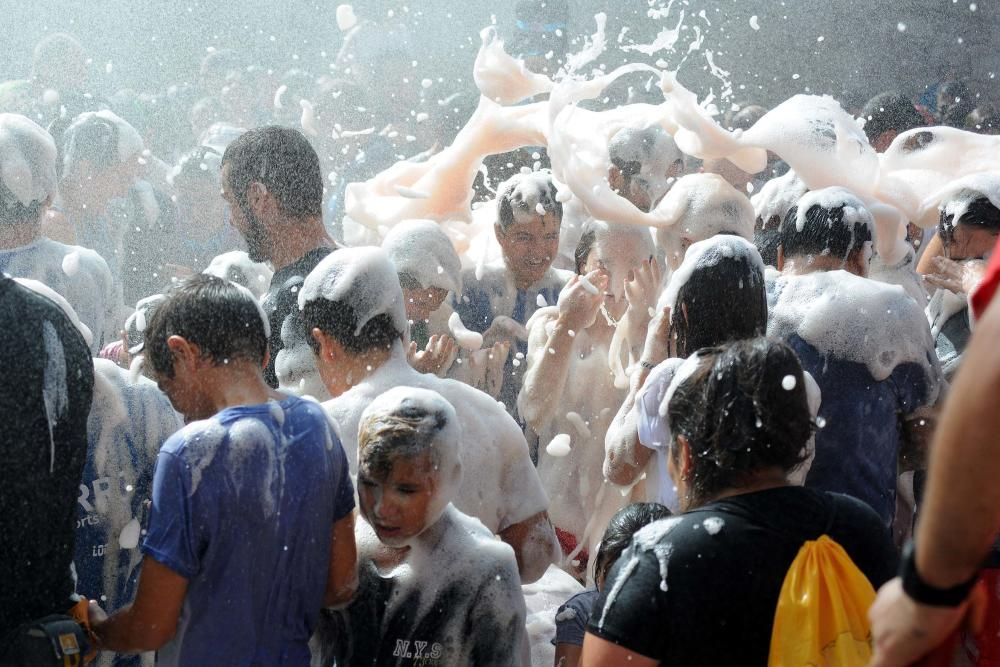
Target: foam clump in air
834,312
420,249
236,266
559,446
27,161
467,340
364,279
777,197
698,207
503,78
346,18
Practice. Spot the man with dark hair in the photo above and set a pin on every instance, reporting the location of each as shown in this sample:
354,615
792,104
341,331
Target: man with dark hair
866,343
251,525
273,184
45,396
352,304
77,274
886,116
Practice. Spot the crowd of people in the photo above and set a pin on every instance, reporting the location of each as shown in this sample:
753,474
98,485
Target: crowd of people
566,425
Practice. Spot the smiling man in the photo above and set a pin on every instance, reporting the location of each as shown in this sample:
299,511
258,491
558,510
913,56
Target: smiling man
529,217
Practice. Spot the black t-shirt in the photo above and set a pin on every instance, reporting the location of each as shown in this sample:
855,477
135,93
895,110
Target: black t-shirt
282,302
723,566
46,389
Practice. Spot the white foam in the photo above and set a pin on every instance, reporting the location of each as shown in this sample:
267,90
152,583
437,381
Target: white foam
777,197
363,278
27,160
704,255
558,446
346,18
422,250
467,340
236,266
502,78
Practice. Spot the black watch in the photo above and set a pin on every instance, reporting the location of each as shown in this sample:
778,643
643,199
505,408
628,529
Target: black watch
922,592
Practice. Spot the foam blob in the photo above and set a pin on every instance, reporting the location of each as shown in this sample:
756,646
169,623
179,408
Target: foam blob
346,18
502,78
558,446
27,160
467,340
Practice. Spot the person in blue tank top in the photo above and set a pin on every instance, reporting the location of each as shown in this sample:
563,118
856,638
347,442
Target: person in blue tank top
251,525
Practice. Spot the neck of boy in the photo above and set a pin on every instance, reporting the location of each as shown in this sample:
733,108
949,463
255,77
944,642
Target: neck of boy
234,384
299,236
352,370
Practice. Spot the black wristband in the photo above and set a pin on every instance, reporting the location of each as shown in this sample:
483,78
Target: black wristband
924,593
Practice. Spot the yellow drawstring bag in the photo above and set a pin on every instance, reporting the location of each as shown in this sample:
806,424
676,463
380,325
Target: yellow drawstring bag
822,613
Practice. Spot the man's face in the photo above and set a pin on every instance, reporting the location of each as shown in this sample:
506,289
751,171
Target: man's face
962,242
246,222
529,245
423,301
397,504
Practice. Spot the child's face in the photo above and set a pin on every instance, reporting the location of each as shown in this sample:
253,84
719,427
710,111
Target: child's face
397,504
184,392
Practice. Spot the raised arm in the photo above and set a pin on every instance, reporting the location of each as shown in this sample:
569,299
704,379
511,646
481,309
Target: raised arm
551,333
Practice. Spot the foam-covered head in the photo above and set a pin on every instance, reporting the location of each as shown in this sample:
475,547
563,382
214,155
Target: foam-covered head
717,294
524,197
407,437
775,198
363,279
698,207
829,222
236,266
646,159
422,251
27,168
615,250
743,409
955,199
101,138
889,113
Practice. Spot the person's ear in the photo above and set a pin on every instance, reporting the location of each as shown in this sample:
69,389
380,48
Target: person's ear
330,351
685,458
258,197
183,351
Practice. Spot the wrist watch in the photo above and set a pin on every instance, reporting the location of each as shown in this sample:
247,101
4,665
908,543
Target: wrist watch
924,593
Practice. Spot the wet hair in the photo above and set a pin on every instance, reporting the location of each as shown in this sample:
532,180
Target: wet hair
407,432
980,213
767,242
339,321
623,525
284,162
726,301
512,198
583,248
739,417
747,117
824,233
959,103
197,164
94,139
889,111
222,319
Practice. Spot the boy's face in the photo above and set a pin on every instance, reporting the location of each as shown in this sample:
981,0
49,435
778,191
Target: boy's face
423,301
397,504
185,392
529,245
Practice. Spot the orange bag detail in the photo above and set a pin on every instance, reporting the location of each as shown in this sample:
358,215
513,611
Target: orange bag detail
822,613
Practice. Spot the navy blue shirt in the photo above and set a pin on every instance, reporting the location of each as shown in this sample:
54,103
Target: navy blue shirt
572,618
858,447
243,507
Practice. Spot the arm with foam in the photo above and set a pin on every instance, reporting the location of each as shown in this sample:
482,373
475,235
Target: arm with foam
550,353
624,456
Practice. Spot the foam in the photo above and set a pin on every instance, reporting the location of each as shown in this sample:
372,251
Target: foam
777,196
64,305
502,78
236,266
421,249
363,278
543,599
656,152
854,211
130,144
698,207
836,312
954,199
467,340
27,160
